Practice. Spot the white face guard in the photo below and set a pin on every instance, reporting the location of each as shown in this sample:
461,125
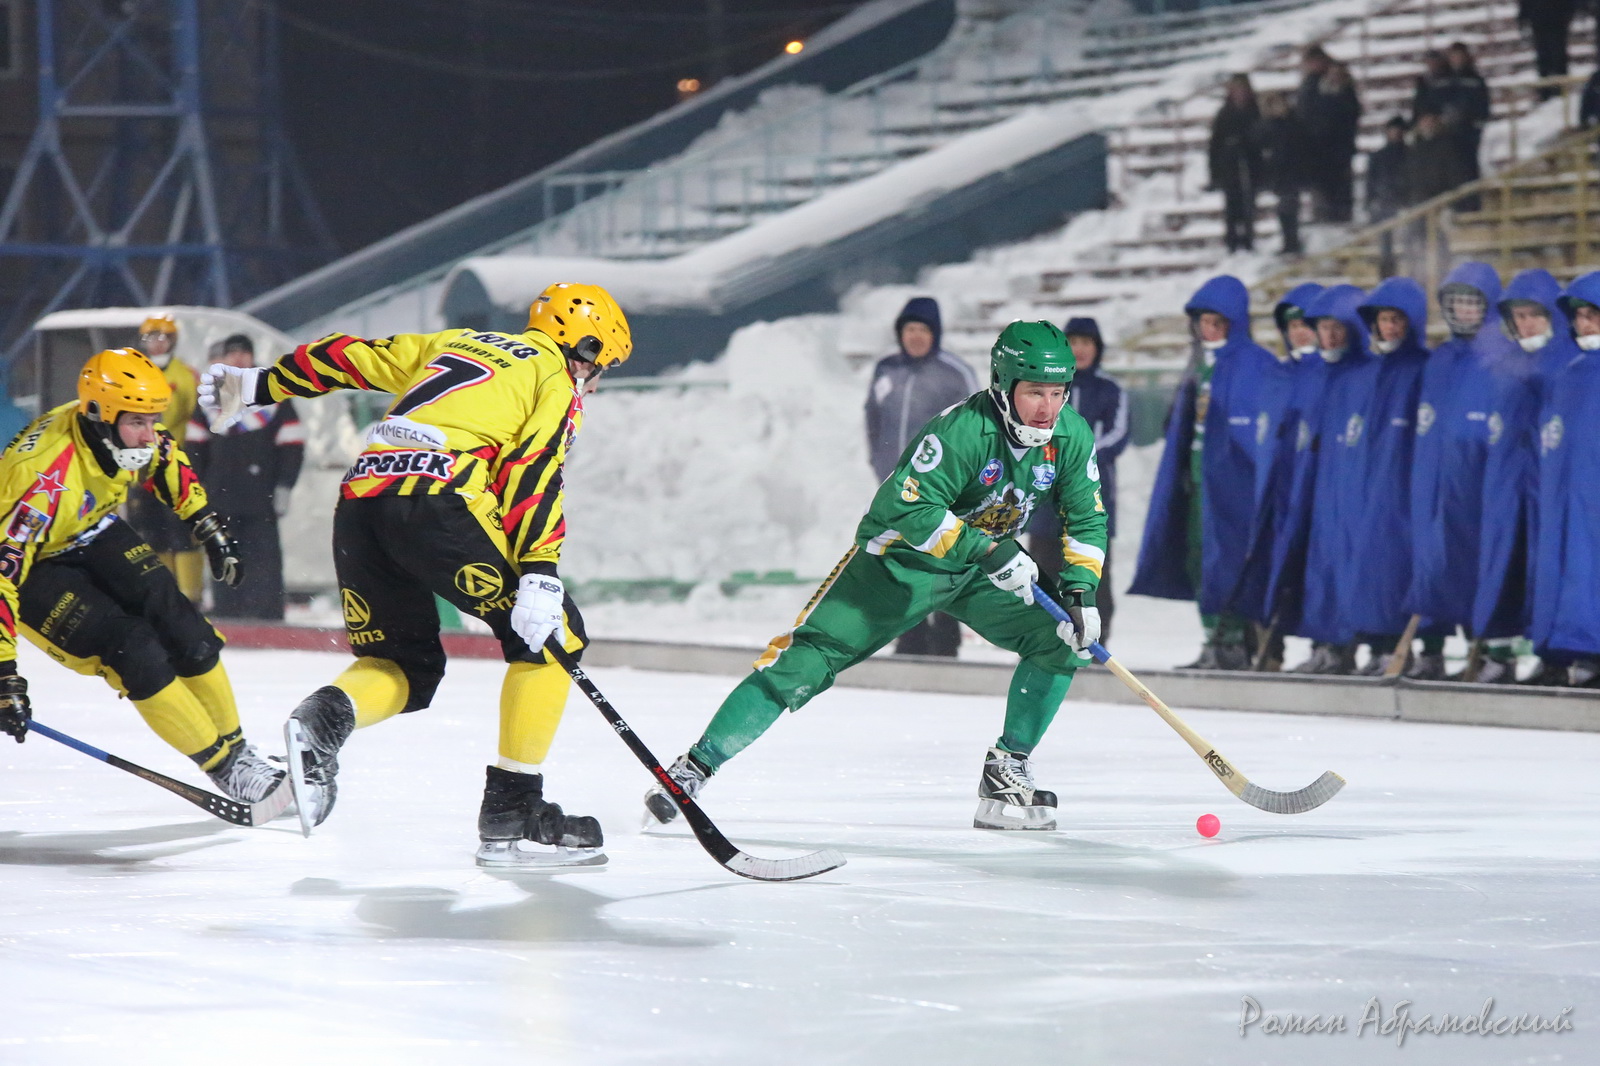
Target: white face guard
1024,434
1589,342
1464,309
131,458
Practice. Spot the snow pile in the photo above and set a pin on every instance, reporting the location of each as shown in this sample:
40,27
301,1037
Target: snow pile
696,480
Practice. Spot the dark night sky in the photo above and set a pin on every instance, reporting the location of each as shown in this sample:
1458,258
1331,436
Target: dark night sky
386,143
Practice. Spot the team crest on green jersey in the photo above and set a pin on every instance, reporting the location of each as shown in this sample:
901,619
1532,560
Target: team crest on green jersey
1001,513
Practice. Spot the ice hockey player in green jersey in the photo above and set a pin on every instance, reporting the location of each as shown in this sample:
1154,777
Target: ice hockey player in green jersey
941,535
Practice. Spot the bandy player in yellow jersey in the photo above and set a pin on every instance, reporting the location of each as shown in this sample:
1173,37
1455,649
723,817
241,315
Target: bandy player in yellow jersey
91,593
458,494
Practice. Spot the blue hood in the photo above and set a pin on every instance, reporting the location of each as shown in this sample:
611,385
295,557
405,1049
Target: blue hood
1301,296
924,309
1224,295
1585,289
1480,276
1342,302
1540,286
1405,296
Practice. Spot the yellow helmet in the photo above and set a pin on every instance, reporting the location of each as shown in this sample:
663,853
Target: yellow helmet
584,321
118,380
163,323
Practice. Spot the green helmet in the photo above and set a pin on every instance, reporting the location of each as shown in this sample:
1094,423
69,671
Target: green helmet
1027,351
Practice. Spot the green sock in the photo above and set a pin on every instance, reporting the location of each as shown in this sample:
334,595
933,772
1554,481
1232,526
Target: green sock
1035,697
749,711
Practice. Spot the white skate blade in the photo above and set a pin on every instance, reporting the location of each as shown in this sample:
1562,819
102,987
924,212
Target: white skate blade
998,814
274,804
294,742
528,855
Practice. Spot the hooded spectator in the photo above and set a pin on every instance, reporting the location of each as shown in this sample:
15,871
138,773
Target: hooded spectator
1202,509
1236,162
1283,151
1396,316
1277,424
1566,615
1452,448
909,386
1329,492
1104,405
1533,330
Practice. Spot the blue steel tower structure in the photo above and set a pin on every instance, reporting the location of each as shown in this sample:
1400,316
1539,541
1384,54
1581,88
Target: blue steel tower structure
159,171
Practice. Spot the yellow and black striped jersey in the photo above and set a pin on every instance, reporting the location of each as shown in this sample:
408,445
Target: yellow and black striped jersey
474,412
56,495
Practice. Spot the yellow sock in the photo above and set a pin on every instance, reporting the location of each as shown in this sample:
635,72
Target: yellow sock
532,698
177,718
215,694
377,688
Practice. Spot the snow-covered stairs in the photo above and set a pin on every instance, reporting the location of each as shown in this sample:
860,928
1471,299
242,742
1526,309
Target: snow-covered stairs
1153,247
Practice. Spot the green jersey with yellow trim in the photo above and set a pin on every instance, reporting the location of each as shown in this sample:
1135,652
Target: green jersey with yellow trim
961,485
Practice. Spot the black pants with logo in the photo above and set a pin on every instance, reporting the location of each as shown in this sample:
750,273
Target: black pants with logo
111,608
393,554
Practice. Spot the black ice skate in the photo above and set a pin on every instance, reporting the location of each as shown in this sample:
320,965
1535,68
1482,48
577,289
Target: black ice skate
245,776
688,775
519,828
1007,798
314,733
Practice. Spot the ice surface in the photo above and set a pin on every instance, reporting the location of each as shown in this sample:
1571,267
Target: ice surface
1459,864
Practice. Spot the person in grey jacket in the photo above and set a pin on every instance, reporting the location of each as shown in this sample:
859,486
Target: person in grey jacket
909,386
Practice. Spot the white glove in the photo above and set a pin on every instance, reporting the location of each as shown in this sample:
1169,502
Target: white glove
280,500
1011,570
537,612
1083,630
226,391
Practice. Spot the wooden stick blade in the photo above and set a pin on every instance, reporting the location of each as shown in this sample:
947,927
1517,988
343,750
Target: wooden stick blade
1309,798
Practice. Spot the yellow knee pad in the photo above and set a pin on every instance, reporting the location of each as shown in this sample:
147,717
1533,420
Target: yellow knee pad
532,698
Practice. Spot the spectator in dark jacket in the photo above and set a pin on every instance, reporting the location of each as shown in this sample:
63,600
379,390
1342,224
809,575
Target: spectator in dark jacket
1388,188
1332,118
1549,22
1466,109
1589,102
249,471
1283,149
909,386
1433,84
1236,162
1433,167
1104,405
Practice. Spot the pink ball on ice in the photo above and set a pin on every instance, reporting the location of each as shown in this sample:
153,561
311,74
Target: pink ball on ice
1209,825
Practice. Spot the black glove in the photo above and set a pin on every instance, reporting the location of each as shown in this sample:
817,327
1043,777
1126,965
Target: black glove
15,710
221,549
